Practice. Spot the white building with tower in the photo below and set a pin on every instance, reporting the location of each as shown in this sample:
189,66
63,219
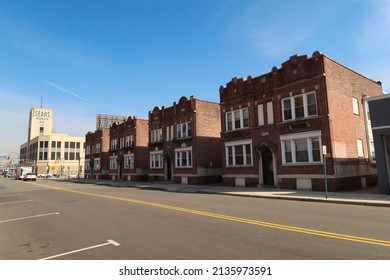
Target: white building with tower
57,153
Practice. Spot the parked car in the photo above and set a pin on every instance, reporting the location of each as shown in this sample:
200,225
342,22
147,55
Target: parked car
10,175
45,175
30,176
74,175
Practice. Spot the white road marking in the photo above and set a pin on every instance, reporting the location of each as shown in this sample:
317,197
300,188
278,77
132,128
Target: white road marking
109,242
13,202
29,217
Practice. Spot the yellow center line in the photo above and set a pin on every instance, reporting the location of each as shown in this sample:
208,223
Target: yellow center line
233,218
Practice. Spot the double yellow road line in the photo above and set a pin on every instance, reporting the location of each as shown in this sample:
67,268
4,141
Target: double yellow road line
233,218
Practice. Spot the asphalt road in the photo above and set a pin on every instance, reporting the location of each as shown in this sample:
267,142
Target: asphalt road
50,219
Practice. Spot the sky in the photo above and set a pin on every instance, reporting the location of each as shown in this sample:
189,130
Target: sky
124,57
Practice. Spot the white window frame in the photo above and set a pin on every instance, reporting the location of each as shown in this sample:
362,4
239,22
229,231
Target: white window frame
370,136
231,115
355,106
156,156
360,149
156,135
86,165
232,146
167,133
291,100
96,164
97,148
114,144
183,129
129,142
88,150
270,112
290,140
129,161
113,162
179,157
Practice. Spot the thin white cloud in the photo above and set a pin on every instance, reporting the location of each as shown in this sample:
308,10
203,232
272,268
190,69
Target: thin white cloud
63,89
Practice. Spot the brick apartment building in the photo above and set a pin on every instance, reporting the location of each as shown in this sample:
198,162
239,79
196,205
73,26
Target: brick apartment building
184,142
275,125
97,154
129,155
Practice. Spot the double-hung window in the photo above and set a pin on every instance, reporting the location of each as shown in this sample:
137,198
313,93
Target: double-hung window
299,106
156,135
114,144
238,153
86,165
184,157
169,133
156,159
129,161
129,141
184,130
113,162
96,164
237,119
301,147
97,148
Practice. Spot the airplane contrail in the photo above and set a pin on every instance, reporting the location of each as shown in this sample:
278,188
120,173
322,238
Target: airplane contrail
63,89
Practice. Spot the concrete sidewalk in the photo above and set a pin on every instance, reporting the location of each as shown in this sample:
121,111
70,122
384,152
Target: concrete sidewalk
347,197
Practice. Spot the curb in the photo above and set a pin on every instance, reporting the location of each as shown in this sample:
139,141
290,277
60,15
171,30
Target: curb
280,197
305,199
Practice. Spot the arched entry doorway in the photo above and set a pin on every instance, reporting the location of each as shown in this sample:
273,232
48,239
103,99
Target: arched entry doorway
267,164
168,170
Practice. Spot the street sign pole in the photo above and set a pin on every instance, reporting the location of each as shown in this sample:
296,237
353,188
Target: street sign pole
325,176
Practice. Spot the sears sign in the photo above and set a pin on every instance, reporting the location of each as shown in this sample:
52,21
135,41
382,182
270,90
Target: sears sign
42,115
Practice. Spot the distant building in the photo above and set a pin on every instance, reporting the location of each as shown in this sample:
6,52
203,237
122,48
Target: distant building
275,127
97,154
47,151
105,121
380,122
129,156
184,142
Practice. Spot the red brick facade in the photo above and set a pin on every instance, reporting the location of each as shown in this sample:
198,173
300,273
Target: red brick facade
97,154
274,126
129,150
184,142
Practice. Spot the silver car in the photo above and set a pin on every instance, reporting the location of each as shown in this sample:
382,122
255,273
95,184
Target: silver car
30,176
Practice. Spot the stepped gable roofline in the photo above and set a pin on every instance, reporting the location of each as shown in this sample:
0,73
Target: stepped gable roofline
98,133
132,121
155,113
176,108
297,59
236,82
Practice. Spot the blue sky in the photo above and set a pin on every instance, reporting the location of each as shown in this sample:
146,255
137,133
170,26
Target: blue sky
124,57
